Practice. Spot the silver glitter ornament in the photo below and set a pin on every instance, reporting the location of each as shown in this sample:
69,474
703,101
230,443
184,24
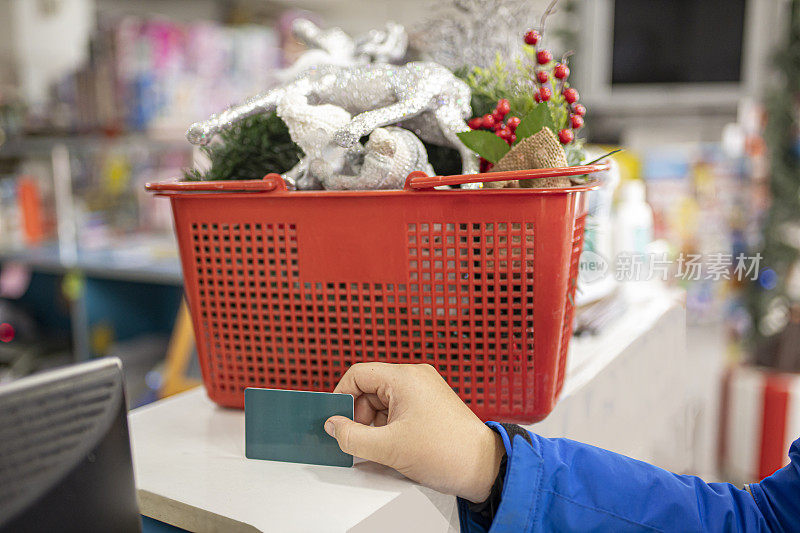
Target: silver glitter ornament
383,46
472,33
312,127
423,97
390,155
332,46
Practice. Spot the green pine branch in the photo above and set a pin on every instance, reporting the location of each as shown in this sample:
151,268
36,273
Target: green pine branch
253,148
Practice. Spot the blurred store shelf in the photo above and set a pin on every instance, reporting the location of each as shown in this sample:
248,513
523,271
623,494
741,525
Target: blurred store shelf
126,262
30,145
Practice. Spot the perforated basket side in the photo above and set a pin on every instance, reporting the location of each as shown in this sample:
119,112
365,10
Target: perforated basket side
569,310
469,296
281,295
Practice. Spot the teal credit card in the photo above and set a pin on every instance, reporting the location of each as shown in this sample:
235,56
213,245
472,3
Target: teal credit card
287,425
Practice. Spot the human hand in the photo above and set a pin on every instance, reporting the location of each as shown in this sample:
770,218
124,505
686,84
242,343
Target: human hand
421,429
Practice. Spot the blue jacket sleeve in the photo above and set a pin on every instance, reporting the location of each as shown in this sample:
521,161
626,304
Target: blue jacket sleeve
562,485
778,496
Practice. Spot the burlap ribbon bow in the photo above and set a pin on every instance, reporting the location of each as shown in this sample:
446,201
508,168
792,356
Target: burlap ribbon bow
540,150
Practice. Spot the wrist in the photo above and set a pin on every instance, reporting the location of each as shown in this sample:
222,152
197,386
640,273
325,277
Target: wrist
489,458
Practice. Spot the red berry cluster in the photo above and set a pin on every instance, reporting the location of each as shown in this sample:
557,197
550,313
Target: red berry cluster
495,122
545,86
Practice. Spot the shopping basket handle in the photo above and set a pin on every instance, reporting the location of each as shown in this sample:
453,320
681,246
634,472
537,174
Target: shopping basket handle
420,180
271,182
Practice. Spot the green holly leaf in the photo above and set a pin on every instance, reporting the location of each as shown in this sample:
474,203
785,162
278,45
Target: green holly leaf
534,121
485,143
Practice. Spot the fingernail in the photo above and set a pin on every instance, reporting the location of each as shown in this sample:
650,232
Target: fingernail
330,429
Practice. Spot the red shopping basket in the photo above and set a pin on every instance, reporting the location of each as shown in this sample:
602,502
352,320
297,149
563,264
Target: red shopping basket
288,288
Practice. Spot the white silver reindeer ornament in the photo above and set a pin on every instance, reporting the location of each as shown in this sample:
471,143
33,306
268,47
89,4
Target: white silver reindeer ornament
423,97
389,156
312,127
332,46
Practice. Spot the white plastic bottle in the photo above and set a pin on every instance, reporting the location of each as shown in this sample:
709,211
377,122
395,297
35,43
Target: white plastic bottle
595,277
633,220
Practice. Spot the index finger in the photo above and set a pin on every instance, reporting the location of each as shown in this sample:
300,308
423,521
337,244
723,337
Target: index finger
367,378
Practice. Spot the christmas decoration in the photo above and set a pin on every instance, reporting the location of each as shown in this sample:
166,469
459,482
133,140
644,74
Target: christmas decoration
353,97
389,156
570,95
540,150
255,146
384,46
326,133
550,121
565,136
542,76
532,37
325,47
262,143
535,88
333,46
773,300
425,97
762,431
560,71
312,127
464,34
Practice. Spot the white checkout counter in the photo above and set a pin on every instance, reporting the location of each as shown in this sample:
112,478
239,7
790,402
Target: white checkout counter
630,389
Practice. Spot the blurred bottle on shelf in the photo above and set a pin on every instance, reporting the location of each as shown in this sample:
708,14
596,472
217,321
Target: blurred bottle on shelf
32,212
10,227
596,280
633,220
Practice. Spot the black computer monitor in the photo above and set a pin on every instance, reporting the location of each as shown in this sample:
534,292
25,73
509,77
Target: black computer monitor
65,455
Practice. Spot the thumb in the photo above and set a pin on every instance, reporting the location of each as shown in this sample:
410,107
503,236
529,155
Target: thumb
367,442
